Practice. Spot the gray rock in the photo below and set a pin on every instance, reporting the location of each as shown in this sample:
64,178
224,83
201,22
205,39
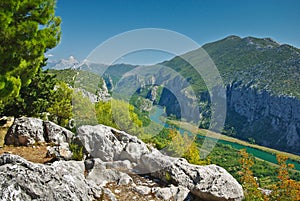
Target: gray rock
133,151
177,193
166,193
109,195
180,193
99,142
56,134
63,180
162,193
109,144
209,182
25,131
206,182
124,166
62,151
143,190
153,162
100,175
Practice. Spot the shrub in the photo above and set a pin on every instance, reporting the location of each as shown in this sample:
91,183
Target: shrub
77,151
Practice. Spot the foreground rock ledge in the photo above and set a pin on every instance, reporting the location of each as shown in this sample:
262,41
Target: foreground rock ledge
62,180
206,182
113,154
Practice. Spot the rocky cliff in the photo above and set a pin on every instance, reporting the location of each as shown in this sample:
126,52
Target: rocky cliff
272,121
116,162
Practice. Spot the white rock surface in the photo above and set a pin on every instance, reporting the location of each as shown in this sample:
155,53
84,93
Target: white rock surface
206,182
63,180
28,131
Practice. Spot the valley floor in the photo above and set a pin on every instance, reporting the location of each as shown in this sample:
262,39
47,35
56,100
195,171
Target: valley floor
203,132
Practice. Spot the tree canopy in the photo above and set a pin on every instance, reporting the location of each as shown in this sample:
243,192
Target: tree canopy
119,114
28,28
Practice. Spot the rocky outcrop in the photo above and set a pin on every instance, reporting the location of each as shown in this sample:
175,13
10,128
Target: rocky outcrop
110,145
28,131
209,182
167,193
76,180
62,180
25,131
104,172
92,97
102,93
61,151
56,134
116,159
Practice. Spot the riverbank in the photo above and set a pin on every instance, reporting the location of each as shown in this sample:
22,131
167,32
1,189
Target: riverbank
203,132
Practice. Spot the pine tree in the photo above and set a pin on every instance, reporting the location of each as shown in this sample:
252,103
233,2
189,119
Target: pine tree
28,28
34,99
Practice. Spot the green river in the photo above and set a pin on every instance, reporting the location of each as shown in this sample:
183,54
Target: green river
159,111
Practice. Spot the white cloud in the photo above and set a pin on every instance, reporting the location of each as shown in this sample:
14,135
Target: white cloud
49,55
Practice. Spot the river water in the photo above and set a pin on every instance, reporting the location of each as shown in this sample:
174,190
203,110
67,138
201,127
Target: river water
159,111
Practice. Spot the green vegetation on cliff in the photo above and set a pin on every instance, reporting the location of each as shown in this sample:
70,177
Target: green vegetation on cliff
79,79
262,63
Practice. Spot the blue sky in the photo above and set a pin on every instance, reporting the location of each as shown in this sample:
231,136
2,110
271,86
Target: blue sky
86,24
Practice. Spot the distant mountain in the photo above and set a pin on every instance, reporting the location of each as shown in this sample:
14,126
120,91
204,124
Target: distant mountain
62,64
262,84
92,67
261,78
262,63
88,75
110,73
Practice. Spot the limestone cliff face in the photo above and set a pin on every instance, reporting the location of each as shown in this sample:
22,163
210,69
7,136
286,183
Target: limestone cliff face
271,120
102,93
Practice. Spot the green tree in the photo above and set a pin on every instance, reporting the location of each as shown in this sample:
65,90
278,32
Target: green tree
119,114
43,95
192,154
184,146
34,99
28,28
84,112
60,111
